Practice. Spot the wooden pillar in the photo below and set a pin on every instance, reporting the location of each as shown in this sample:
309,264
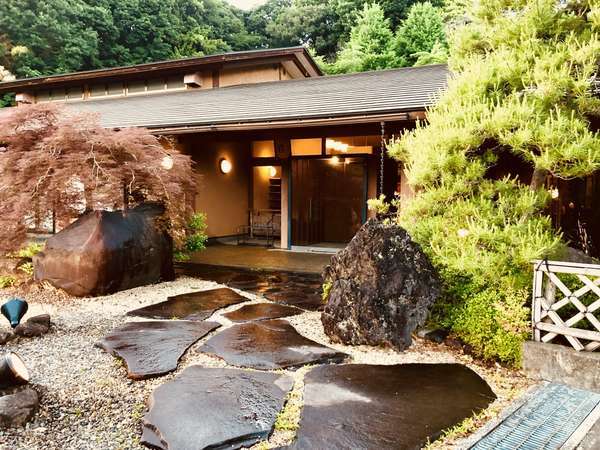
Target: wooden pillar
286,176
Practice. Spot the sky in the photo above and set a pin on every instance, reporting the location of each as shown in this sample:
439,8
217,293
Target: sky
246,4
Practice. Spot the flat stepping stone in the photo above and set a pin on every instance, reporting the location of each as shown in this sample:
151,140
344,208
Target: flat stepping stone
192,306
261,311
295,289
362,406
214,408
297,297
268,345
151,349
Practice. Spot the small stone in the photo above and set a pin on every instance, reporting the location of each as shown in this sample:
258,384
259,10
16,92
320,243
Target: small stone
436,336
6,336
42,319
18,408
452,342
31,329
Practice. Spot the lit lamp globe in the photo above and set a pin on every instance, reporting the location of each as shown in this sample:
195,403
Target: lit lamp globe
167,163
225,165
272,172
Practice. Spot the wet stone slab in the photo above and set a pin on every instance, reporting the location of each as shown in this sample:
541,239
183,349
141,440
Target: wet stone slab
261,311
296,289
268,345
361,406
214,408
151,349
300,298
192,306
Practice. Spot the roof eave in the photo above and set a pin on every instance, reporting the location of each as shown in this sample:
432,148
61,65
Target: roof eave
306,63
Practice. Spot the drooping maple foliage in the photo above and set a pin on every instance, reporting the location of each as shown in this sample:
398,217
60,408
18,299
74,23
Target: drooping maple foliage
56,164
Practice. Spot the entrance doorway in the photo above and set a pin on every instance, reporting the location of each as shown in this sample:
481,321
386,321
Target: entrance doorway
328,200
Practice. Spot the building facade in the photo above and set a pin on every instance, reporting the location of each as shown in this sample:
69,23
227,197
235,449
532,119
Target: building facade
281,151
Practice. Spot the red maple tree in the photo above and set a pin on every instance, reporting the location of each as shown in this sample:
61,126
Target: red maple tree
56,164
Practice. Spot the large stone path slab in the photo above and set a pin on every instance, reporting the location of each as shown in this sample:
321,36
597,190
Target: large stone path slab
151,349
290,288
214,408
358,406
261,311
267,345
193,306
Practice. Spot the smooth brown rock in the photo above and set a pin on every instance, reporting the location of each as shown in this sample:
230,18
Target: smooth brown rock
261,311
193,306
107,251
268,345
18,407
151,349
359,406
382,286
214,408
34,326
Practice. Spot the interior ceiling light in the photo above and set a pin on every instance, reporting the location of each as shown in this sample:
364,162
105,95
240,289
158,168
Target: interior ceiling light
338,146
225,165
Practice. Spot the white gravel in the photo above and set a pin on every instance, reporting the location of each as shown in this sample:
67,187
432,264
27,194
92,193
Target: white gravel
89,403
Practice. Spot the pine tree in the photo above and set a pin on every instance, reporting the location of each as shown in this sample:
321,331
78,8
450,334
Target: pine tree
370,44
521,88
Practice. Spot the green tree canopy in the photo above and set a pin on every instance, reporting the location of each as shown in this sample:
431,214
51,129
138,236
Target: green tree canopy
70,35
420,32
370,44
395,10
521,87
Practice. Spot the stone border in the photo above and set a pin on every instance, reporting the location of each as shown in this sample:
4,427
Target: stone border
560,364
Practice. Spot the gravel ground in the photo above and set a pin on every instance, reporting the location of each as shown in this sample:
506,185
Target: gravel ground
89,403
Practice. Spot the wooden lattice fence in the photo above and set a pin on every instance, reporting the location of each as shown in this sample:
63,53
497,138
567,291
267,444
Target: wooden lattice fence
566,302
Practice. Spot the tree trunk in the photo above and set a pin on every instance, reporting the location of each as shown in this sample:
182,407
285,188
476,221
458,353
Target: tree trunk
538,179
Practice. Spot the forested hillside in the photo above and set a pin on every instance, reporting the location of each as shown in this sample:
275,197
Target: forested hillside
57,36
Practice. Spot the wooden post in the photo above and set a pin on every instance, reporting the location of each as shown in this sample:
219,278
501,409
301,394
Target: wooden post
536,305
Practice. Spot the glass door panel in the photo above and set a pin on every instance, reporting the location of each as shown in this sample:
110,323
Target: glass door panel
328,200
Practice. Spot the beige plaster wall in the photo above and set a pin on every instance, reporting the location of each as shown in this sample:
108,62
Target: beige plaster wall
223,197
261,177
246,75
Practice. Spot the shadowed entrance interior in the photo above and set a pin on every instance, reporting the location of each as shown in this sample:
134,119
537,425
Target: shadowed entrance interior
328,198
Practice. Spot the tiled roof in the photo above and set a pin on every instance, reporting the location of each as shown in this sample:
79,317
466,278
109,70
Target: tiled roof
361,94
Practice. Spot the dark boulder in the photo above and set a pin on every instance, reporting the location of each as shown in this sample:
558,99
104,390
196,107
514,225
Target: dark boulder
107,251
18,407
35,326
381,287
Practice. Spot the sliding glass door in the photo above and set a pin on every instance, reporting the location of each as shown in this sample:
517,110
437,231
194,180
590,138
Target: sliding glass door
328,200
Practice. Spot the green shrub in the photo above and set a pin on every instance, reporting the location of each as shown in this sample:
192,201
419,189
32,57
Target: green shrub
32,249
27,268
196,237
521,87
7,281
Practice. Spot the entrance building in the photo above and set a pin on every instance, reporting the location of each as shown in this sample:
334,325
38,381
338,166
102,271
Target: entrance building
283,154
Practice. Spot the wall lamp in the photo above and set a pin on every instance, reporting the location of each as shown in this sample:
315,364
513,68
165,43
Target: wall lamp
225,165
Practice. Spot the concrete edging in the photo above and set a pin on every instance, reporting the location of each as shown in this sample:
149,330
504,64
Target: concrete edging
562,364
